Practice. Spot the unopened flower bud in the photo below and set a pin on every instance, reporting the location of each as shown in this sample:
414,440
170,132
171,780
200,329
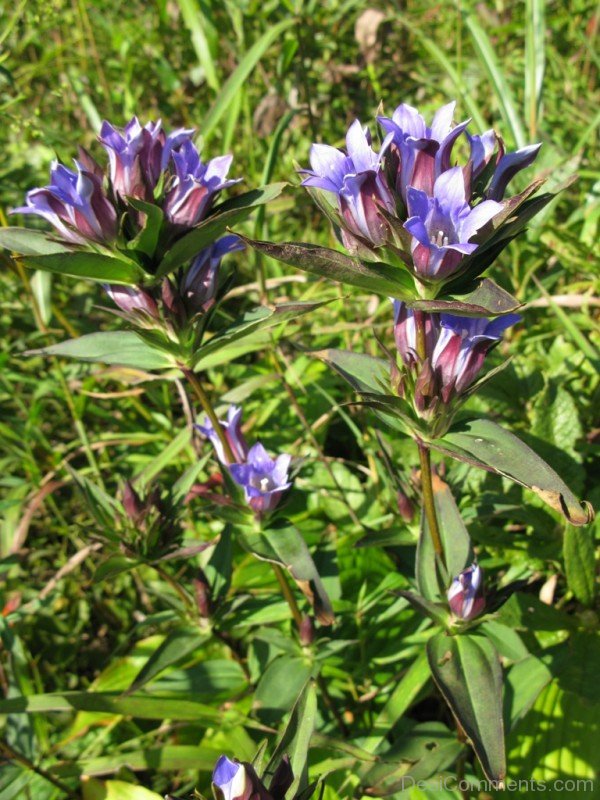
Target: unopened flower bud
231,780
134,507
405,506
466,593
307,631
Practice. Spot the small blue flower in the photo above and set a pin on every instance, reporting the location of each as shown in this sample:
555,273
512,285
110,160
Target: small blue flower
442,225
231,780
199,284
233,433
264,479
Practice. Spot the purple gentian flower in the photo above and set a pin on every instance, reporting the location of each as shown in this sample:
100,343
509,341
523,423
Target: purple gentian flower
132,299
461,347
466,593
264,479
443,225
139,154
233,433
75,204
421,153
195,186
507,168
405,331
358,181
199,284
231,780
483,147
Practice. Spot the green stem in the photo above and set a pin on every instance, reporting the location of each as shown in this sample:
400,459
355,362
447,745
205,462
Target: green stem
196,385
425,456
19,758
288,594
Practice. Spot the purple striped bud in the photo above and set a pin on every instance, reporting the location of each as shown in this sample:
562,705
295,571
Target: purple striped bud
483,147
507,168
263,478
233,433
466,593
132,299
419,154
138,155
199,285
74,203
405,331
195,185
461,348
231,780
358,181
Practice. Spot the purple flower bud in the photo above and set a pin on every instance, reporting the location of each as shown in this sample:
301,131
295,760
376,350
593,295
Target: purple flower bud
420,154
507,168
139,155
405,331
233,433
466,593
483,147
75,204
406,507
263,478
231,780
359,183
195,185
442,225
132,299
461,348
199,284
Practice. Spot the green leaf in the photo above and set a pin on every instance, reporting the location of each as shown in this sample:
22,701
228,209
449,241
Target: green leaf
435,611
113,347
166,758
295,739
580,563
488,299
488,446
90,265
147,239
116,790
261,318
467,671
177,645
404,695
363,372
28,242
523,683
455,540
333,265
238,77
283,544
279,686
223,216
195,21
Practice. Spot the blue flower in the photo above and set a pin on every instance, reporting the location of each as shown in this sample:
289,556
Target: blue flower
442,225
231,780
199,284
264,479
466,593
233,433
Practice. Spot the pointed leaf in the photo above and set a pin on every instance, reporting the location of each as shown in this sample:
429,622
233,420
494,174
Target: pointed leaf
28,242
488,446
455,540
112,347
147,239
373,276
467,671
284,544
580,563
90,265
177,645
488,299
363,372
434,611
295,739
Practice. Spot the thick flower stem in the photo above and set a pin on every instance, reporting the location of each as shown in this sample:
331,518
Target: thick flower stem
425,455
288,594
196,385
429,502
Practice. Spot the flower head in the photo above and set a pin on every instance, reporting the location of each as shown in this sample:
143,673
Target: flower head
138,155
405,331
421,153
231,780
195,185
233,433
199,283
442,225
466,593
75,204
264,479
357,178
461,347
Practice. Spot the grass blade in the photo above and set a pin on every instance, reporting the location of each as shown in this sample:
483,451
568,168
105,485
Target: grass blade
194,19
535,61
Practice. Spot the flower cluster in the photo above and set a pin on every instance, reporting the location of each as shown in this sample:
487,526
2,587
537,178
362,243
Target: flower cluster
263,479
146,165
455,349
409,196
